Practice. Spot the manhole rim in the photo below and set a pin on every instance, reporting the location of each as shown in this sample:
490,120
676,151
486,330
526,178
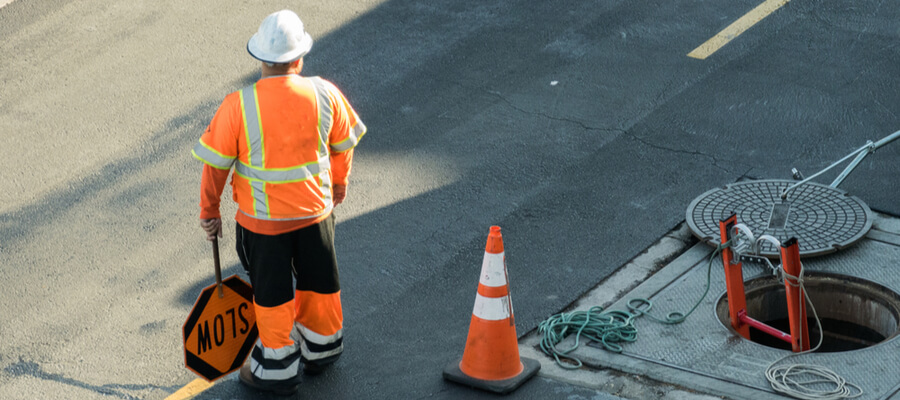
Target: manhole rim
725,324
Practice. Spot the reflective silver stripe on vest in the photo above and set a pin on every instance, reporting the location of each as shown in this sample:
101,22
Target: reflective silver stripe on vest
326,120
211,157
324,212
253,128
325,187
260,199
281,175
252,125
356,133
259,176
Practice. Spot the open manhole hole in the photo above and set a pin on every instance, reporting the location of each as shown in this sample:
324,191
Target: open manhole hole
855,313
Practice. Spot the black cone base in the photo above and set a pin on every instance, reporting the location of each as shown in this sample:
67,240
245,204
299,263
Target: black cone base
454,374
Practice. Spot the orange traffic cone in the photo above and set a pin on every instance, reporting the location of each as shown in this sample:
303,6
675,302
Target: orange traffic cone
491,360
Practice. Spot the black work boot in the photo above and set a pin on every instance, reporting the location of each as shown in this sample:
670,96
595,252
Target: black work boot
316,367
281,388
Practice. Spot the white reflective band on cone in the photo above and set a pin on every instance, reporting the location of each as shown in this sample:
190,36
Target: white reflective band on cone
493,270
492,308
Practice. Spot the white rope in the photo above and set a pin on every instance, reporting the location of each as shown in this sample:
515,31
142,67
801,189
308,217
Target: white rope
802,380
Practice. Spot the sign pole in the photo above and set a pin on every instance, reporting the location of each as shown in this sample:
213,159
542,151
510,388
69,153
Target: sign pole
215,243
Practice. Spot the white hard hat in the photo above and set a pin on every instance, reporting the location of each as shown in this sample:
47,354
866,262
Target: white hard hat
280,39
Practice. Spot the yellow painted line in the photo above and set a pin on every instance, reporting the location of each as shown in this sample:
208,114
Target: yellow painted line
736,28
190,390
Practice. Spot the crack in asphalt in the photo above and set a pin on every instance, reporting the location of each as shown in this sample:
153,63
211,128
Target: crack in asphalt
551,117
715,160
715,163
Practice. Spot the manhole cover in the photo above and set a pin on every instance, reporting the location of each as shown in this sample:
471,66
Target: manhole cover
824,219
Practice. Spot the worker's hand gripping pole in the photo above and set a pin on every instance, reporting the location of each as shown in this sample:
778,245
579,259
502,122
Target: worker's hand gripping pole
796,299
215,244
734,279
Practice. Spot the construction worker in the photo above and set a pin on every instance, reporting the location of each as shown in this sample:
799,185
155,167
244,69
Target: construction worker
290,140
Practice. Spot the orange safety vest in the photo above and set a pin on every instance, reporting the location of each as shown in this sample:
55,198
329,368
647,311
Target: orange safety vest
279,134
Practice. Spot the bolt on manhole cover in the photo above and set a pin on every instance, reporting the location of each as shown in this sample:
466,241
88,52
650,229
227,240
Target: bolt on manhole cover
824,219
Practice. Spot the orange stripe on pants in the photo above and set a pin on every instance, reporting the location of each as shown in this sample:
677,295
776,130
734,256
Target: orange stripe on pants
320,313
275,325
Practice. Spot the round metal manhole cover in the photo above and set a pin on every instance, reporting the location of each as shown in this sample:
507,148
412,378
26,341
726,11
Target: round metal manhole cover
823,219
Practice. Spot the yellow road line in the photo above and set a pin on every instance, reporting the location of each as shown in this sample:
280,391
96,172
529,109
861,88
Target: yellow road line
190,390
736,28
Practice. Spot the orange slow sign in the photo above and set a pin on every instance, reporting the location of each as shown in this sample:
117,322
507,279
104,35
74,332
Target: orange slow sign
220,332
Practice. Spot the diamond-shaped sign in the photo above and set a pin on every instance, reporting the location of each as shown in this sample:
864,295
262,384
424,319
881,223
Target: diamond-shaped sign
220,331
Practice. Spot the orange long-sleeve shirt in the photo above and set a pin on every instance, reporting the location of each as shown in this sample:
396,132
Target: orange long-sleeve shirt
291,112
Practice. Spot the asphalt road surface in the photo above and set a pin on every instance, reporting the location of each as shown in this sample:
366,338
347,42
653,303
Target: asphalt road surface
582,128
